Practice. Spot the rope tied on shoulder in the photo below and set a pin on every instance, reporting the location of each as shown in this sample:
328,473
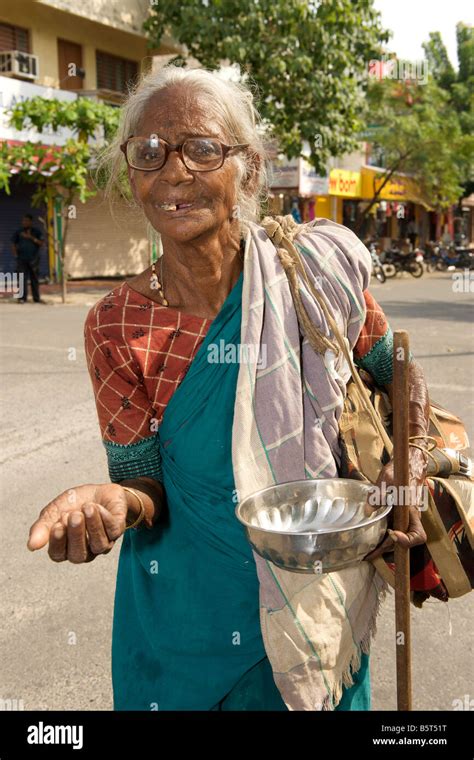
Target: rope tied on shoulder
281,230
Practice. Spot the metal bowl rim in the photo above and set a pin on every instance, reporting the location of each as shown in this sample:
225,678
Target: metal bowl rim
370,521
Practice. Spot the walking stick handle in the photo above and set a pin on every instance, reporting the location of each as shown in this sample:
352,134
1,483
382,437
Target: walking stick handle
401,352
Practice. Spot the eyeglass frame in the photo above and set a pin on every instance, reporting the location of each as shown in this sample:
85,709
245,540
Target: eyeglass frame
170,148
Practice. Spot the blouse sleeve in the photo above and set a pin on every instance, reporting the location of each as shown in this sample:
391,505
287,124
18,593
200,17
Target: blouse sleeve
126,415
374,348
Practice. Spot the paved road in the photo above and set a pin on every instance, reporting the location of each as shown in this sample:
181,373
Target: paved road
56,619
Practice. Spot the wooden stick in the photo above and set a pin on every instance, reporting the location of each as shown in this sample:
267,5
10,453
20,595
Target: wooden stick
401,517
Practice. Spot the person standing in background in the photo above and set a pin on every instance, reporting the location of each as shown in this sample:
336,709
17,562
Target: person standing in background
27,242
412,232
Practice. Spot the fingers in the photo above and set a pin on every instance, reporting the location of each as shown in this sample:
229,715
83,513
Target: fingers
39,531
387,545
99,541
111,526
414,536
79,536
410,539
39,535
77,547
57,543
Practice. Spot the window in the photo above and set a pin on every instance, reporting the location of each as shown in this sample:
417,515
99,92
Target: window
14,38
115,73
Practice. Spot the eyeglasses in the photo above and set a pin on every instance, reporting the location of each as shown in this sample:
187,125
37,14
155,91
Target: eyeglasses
198,154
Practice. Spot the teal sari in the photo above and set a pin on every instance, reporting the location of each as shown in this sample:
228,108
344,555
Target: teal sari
186,630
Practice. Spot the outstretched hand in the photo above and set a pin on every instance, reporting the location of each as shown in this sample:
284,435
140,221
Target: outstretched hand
81,523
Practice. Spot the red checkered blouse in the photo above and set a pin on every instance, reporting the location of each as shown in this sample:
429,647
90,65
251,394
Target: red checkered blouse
139,351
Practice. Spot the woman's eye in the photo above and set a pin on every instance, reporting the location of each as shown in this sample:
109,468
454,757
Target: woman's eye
196,150
148,155
202,149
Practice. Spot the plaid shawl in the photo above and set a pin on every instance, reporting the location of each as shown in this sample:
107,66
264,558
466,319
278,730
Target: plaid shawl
286,428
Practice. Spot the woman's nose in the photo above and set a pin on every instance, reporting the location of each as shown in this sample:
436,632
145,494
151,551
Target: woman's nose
174,170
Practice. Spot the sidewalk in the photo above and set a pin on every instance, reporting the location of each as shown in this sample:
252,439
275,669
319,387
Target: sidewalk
78,292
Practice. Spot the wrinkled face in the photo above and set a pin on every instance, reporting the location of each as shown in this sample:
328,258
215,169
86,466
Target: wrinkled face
174,115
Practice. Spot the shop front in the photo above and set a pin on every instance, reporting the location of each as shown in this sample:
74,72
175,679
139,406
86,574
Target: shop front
18,201
13,207
401,213
345,191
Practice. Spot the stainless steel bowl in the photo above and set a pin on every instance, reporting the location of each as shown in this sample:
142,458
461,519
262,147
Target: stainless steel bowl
313,526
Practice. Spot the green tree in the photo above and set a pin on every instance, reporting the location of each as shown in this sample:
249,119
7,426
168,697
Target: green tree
59,173
440,67
418,132
307,61
458,84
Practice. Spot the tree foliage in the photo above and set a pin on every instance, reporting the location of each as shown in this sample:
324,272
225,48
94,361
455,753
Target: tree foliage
458,84
56,169
426,128
419,133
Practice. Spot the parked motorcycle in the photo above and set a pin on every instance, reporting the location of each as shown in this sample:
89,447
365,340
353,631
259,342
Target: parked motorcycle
455,257
394,262
377,268
432,256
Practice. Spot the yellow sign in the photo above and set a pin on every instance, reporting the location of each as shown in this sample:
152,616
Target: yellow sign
398,188
345,184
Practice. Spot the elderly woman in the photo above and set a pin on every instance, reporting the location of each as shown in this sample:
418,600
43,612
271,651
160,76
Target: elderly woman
200,621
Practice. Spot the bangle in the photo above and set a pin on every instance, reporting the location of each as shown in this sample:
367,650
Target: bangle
140,517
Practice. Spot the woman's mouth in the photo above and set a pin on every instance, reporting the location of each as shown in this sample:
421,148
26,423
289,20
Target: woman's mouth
174,207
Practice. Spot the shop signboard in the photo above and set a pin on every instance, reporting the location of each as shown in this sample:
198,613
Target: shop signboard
345,184
398,187
310,182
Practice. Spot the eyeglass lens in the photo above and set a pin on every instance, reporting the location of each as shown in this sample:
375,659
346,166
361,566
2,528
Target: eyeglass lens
198,153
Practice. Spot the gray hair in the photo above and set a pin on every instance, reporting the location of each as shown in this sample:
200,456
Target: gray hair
230,102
